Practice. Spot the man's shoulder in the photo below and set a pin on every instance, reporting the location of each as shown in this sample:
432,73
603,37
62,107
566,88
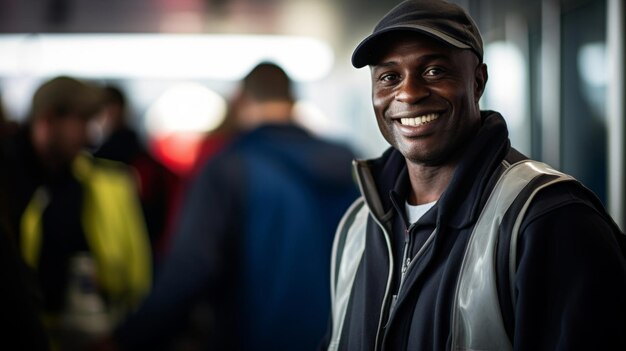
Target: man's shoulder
550,190
562,197
566,220
103,174
568,212
102,165
334,152
549,198
222,172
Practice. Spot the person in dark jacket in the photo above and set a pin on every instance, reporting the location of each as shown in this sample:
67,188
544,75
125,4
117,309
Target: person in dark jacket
255,234
20,297
420,260
76,220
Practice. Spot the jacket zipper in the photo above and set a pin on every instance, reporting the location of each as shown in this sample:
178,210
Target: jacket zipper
406,259
407,263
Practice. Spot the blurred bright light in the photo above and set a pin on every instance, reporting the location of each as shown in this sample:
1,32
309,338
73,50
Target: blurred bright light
179,56
592,64
185,107
506,87
309,115
507,90
178,121
17,93
178,151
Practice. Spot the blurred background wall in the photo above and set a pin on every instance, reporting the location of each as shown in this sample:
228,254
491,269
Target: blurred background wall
556,69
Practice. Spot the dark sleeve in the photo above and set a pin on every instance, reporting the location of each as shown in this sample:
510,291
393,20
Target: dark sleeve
196,261
571,277
326,339
19,297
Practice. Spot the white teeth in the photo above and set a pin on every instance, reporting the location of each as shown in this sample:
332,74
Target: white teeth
418,121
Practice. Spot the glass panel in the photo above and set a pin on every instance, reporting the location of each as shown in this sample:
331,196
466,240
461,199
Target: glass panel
584,77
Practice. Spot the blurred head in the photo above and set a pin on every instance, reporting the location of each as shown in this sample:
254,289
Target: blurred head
61,110
265,97
114,107
112,116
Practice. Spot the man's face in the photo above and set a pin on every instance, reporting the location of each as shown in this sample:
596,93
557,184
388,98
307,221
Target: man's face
425,96
60,139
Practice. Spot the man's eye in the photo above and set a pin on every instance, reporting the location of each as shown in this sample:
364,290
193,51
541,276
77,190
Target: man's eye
388,77
433,72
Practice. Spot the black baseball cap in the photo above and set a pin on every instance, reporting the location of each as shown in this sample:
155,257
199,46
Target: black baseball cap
437,18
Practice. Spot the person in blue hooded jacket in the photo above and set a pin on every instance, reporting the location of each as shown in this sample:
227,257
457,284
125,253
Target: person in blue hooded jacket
255,234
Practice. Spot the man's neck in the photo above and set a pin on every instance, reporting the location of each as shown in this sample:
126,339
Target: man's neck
267,112
428,182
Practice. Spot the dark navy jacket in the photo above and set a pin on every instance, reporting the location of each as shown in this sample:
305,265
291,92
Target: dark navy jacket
254,241
570,286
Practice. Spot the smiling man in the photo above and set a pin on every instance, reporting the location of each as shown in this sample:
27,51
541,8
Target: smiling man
460,242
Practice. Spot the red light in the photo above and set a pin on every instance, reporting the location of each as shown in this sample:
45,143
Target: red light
178,151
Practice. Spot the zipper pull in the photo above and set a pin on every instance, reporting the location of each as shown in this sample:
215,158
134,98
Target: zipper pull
405,266
406,259
394,299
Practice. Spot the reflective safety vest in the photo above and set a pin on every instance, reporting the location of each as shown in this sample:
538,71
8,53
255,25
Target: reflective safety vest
477,322
114,229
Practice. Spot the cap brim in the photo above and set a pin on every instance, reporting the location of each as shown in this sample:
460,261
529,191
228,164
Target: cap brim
366,52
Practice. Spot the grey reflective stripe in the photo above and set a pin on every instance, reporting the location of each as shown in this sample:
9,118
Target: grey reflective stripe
346,255
476,317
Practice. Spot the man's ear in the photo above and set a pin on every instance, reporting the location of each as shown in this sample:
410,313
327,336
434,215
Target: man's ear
480,81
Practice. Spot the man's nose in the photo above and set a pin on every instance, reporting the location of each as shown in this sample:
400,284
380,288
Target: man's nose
412,90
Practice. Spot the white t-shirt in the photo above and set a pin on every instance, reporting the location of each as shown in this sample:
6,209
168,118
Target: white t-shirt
415,212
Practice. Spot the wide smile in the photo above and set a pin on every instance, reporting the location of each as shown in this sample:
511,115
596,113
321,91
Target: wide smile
419,120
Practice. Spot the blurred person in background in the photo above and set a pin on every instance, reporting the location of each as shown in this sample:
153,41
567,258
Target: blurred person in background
157,185
20,299
255,233
78,219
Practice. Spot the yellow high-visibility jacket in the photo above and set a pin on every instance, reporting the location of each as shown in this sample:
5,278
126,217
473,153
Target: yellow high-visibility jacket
113,225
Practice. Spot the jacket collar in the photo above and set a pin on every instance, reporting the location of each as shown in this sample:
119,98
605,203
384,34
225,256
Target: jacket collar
461,203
